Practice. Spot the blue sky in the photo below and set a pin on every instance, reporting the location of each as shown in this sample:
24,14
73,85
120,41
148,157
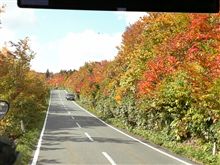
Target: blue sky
59,22
65,39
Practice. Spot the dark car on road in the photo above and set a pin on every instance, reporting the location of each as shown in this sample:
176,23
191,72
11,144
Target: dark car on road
70,96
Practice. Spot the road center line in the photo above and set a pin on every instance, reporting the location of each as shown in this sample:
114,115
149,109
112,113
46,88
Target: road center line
78,125
88,136
109,158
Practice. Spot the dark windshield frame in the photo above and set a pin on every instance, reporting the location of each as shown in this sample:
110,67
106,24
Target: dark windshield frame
185,6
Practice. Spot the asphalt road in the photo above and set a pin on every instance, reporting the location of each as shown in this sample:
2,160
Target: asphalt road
71,135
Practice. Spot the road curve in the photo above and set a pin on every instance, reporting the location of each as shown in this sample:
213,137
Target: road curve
71,135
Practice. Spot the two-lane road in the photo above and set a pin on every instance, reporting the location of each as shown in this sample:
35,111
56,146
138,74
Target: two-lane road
71,135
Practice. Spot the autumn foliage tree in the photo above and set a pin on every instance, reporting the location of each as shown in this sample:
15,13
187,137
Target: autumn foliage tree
166,77
25,90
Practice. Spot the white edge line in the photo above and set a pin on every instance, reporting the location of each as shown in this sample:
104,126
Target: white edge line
162,152
90,138
34,161
78,125
109,158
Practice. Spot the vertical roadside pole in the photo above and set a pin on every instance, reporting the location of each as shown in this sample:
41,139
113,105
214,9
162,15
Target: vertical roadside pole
214,148
22,126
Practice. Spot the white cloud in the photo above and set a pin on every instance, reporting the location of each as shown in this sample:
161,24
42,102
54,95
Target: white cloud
6,35
15,18
73,50
130,17
68,52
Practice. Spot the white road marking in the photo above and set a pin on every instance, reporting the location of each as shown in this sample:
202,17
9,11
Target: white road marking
34,161
109,158
73,118
156,149
88,136
78,125
60,98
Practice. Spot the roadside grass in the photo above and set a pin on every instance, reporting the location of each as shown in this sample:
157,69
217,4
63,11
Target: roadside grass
195,150
26,144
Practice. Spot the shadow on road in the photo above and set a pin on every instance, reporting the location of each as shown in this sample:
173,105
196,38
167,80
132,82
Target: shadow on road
48,148
64,122
47,161
75,138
